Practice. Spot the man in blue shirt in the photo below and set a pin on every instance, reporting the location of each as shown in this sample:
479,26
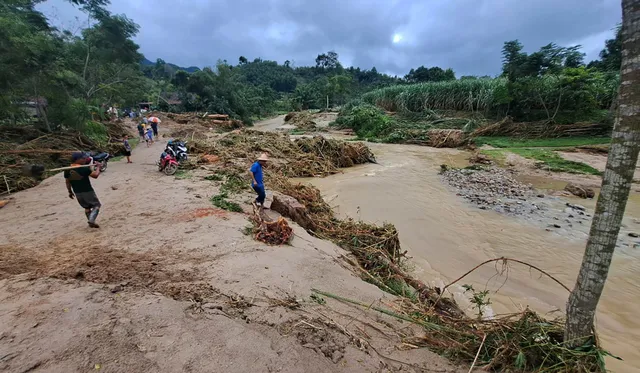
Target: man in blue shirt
257,182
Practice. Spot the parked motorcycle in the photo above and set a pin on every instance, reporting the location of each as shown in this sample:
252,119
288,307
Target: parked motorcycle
101,159
178,149
168,163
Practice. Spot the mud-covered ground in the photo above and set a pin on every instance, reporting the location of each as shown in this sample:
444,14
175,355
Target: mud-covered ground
169,283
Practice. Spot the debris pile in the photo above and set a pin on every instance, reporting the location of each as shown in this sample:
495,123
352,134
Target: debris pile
220,122
301,119
446,138
271,232
507,127
306,157
23,145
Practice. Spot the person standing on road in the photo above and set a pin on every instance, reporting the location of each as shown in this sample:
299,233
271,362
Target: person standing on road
257,182
154,121
127,148
141,130
79,186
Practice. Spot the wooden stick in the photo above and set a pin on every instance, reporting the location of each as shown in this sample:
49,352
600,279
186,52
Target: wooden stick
7,184
504,259
37,151
69,168
477,353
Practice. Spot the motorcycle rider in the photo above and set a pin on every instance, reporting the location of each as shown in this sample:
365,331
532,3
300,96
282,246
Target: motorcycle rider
79,186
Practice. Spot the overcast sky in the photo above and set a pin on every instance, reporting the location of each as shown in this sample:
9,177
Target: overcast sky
392,35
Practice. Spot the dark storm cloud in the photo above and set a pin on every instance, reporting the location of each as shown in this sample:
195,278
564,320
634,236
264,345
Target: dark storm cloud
466,35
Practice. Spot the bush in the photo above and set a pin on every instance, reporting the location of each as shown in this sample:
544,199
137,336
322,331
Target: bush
366,120
97,132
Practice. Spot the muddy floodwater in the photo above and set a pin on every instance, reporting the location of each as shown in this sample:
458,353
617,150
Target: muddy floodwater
446,236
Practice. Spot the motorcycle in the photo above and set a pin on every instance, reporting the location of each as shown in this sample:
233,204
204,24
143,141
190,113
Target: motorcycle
101,159
168,163
179,150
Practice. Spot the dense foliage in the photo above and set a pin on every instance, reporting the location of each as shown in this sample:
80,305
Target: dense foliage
69,79
551,84
65,77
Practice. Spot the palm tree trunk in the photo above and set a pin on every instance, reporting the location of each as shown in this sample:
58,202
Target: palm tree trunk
616,182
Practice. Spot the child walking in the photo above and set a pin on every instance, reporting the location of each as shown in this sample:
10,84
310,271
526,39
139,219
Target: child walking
127,148
149,137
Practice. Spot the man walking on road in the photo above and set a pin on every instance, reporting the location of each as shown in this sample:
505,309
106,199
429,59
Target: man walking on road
79,186
257,182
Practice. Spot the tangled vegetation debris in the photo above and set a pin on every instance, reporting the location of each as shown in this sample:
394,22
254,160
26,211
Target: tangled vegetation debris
303,120
20,145
306,157
522,341
429,128
271,232
220,122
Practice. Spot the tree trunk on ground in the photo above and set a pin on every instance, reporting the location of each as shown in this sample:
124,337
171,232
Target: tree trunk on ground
616,182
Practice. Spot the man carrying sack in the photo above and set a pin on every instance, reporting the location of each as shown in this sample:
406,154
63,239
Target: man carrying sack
79,186
257,182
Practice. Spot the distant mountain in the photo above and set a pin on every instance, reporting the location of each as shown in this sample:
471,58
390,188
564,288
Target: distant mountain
190,69
146,62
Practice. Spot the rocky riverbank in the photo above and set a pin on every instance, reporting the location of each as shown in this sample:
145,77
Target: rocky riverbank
498,189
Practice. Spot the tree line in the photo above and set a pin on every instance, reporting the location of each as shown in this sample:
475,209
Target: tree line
71,78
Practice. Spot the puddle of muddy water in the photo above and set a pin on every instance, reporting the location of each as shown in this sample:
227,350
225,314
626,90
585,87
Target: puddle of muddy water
446,237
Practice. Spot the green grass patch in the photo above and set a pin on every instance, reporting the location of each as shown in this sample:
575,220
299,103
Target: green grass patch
233,184
550,160
214,177
221,201
134,141
497,155
183,174
563,142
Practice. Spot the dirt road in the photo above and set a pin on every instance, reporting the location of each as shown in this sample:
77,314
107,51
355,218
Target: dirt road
169,283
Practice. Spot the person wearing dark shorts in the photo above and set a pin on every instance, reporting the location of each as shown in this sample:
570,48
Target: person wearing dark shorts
257,182
79,186
127,148
141,131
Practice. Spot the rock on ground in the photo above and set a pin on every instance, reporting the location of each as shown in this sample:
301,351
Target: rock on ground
580,190
492,188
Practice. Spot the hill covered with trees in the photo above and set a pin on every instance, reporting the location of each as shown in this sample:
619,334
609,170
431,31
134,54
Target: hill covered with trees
69,77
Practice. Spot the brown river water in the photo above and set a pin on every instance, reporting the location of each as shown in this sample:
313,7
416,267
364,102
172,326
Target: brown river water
446,237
